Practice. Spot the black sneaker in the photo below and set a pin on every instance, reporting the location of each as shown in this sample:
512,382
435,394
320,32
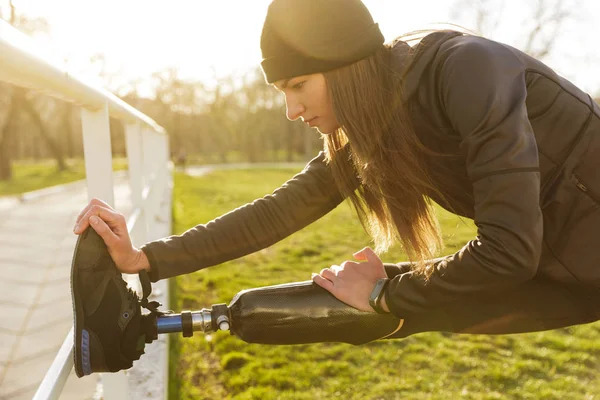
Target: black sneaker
110,330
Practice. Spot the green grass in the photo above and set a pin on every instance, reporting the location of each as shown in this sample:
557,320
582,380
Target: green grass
560,364
29,176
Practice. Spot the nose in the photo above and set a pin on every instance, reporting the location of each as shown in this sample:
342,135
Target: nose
293,108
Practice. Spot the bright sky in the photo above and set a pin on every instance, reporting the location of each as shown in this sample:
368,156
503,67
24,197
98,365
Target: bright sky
202,38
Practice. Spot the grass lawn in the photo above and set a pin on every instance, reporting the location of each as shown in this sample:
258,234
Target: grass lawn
29,176
561,364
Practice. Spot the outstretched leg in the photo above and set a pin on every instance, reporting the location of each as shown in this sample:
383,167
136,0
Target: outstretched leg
537,305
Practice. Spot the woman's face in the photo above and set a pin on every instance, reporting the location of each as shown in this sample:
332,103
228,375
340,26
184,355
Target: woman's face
306,97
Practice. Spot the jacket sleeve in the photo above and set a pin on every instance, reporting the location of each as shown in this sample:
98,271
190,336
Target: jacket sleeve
482,92
303,199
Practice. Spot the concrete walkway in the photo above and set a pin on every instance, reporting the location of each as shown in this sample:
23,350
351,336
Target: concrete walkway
36,248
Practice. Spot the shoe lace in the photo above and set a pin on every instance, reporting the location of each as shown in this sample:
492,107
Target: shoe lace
133,298
148,328
151,306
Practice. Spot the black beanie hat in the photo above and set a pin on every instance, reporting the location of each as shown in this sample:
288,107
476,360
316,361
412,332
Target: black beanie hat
302,37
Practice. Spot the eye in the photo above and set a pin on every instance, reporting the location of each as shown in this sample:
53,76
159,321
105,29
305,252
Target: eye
298,85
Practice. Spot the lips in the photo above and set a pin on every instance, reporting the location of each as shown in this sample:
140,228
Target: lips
311,122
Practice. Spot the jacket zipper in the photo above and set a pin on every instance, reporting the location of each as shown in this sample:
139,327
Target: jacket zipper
585,190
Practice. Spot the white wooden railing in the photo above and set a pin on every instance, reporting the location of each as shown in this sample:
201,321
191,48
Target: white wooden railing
149,168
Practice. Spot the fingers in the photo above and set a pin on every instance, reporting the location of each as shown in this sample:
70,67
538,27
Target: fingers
93,202
328,273
324,283
115,220
360,255
104,231
367,254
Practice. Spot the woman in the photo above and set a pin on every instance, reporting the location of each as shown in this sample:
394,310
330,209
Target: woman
483,129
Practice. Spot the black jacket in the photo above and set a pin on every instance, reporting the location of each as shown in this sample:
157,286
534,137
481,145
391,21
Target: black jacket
523,151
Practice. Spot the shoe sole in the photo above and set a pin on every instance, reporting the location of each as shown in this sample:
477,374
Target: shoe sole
81,341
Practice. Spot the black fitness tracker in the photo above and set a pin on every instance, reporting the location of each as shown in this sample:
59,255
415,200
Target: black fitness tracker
377,294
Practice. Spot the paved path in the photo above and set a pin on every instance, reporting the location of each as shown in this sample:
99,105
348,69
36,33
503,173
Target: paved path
36,247
199,170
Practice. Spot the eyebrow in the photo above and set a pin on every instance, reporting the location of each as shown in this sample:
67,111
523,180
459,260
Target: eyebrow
285,83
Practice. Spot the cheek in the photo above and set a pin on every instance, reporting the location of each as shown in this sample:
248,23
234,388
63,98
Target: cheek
325,104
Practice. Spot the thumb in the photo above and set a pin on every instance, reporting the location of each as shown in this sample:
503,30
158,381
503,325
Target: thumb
103,231
367,254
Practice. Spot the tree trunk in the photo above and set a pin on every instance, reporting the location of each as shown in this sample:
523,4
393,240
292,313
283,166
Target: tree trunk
5,161
5,139
68,129
54,148
290,130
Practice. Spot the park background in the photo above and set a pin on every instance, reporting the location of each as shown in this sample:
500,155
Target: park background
192,67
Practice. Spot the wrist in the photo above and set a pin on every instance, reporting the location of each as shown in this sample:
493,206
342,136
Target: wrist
142,262
376,296
383,304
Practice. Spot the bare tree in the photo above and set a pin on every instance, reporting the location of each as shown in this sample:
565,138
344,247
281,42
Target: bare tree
239,117
484,13
549,17
541,27
30,107
6,132
23,101
7,102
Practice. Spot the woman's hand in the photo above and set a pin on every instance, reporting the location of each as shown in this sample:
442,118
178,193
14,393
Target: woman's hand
352,282
112,228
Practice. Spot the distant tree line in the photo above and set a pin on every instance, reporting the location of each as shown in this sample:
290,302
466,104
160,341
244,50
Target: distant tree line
235,120
245,123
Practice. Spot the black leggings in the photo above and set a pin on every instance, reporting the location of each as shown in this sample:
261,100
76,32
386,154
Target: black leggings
536,305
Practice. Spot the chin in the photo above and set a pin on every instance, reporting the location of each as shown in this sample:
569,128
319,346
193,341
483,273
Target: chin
326,130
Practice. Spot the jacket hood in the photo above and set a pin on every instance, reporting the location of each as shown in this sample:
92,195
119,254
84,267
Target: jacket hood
413,62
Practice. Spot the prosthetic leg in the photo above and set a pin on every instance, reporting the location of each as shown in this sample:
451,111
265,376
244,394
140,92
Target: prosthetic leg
300,312
303,312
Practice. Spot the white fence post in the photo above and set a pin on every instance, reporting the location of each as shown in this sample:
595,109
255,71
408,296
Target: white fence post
98,154
99,175
133,141
135,160
149,176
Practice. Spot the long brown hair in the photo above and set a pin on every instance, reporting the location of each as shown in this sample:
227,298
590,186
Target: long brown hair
377,144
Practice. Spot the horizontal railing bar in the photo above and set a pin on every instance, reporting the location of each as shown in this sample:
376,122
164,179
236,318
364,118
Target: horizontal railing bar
22,67
57,374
